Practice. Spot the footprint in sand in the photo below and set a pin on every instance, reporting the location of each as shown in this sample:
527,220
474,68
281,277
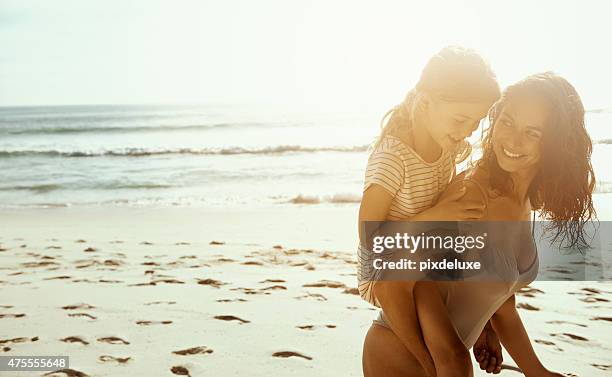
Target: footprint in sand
110,281
39,264
231,318
118,360
602,366
74,339
548,343
146,243
182,243
523,305
141,284
528,292
566,323
181,371
273,281
193,351
609,319
316,296
216,243
312,327
112,262
90,249
85,263
82,315
569,337
351,291
148,323
160,302
594,299
230,300
285,354
81,306
80,241
298,264
211,282
252,263
168,281
18,340
112,340
157,281
325,284
53,247
66,373
593,290
250,291
274,287
59,277
12,315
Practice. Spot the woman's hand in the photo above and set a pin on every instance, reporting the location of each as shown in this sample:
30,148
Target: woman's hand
488,351
508,325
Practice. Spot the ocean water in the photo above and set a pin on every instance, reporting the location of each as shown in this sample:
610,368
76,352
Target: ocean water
230,156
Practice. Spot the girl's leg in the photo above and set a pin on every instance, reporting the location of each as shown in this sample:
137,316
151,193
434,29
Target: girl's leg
384,355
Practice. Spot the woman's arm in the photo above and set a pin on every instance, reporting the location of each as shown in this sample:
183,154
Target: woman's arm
509,327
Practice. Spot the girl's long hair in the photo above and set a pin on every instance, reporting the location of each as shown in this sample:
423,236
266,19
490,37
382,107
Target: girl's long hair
563,185
454,74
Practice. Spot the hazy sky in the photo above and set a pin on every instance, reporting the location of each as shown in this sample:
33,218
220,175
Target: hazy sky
323,53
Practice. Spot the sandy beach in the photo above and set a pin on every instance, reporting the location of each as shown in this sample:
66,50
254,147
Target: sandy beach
134,292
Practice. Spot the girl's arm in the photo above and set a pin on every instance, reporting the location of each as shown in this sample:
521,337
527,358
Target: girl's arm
509,327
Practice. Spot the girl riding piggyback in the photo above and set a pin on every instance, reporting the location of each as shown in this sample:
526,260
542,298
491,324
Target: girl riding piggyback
413,161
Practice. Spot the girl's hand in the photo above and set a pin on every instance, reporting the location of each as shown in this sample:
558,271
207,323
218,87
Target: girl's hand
456,206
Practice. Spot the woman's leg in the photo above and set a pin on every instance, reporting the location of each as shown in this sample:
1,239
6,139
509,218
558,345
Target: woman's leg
385,355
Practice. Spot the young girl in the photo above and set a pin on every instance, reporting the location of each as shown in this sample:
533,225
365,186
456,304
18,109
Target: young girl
412,162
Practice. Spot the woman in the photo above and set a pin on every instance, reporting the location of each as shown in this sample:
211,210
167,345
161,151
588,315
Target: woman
536,156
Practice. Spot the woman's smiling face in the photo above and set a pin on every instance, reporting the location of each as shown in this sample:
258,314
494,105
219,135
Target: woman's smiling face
517,133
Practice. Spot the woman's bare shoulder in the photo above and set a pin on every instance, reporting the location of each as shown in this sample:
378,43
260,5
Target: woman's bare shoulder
465,181
475,180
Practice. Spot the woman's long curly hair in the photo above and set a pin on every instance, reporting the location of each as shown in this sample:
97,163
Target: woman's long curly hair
563,185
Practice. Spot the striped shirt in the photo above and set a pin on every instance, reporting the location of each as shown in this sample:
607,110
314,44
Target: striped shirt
414,184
